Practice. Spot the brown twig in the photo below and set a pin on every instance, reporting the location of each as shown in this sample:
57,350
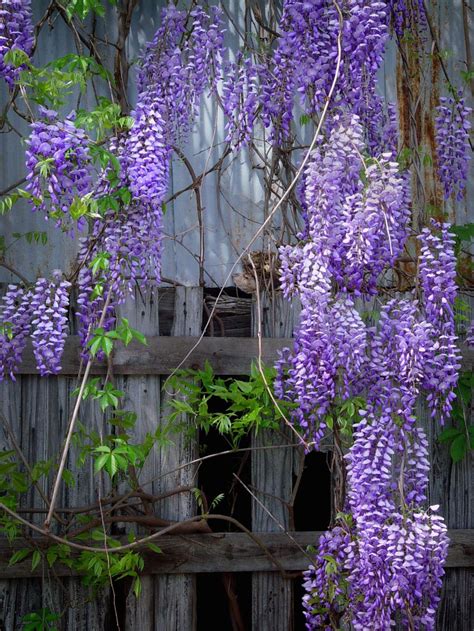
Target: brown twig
149,521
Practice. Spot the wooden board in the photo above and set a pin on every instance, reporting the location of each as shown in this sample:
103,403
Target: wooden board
272,477
163,354
231,552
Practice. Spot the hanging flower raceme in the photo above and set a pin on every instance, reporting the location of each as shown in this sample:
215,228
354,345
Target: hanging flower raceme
325,582
59,166
179,64
437,273
407,14
380,563
15,322
452,140
355,227
16,33
360,222
396,562
49,304
123,247
400,351
40,312
149,151
240,100
305,59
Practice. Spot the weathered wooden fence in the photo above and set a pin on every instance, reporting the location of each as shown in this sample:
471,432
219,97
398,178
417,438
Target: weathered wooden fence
38,409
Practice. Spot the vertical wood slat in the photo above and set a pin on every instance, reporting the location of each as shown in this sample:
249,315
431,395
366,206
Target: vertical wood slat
451,486
167,602
272,482
143,396
175,596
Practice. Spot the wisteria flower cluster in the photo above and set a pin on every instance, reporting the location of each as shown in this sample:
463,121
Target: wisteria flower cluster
240,100
388,563
304,61
179,64
452,138
40,312
354,229
127,240
183,60
59,165
16,33
15,324
438,280
49,305
385,559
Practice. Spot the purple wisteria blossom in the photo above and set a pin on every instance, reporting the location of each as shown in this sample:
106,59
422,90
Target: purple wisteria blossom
49,304
149,151
452,139
400,350
59,165
305,58
15,322
16,33
407,14
181,62
129,239
355,227
380,564
325,582
437,273
240,100
360,223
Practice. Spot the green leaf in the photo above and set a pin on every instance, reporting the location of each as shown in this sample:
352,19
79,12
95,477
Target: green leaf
154,548
19,555
449,434
35,559
458,448
100,462
69,478
137,587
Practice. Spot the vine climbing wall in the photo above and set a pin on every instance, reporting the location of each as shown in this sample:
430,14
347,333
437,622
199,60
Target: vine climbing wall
219,231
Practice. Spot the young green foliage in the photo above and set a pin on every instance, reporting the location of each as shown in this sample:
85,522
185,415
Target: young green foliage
248,404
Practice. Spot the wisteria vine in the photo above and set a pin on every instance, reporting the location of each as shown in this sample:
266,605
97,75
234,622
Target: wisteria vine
382,560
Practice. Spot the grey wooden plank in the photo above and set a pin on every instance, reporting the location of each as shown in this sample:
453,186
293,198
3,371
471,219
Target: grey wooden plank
231,552
175,596
142,396
17,597
162,354
456,610
272,482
